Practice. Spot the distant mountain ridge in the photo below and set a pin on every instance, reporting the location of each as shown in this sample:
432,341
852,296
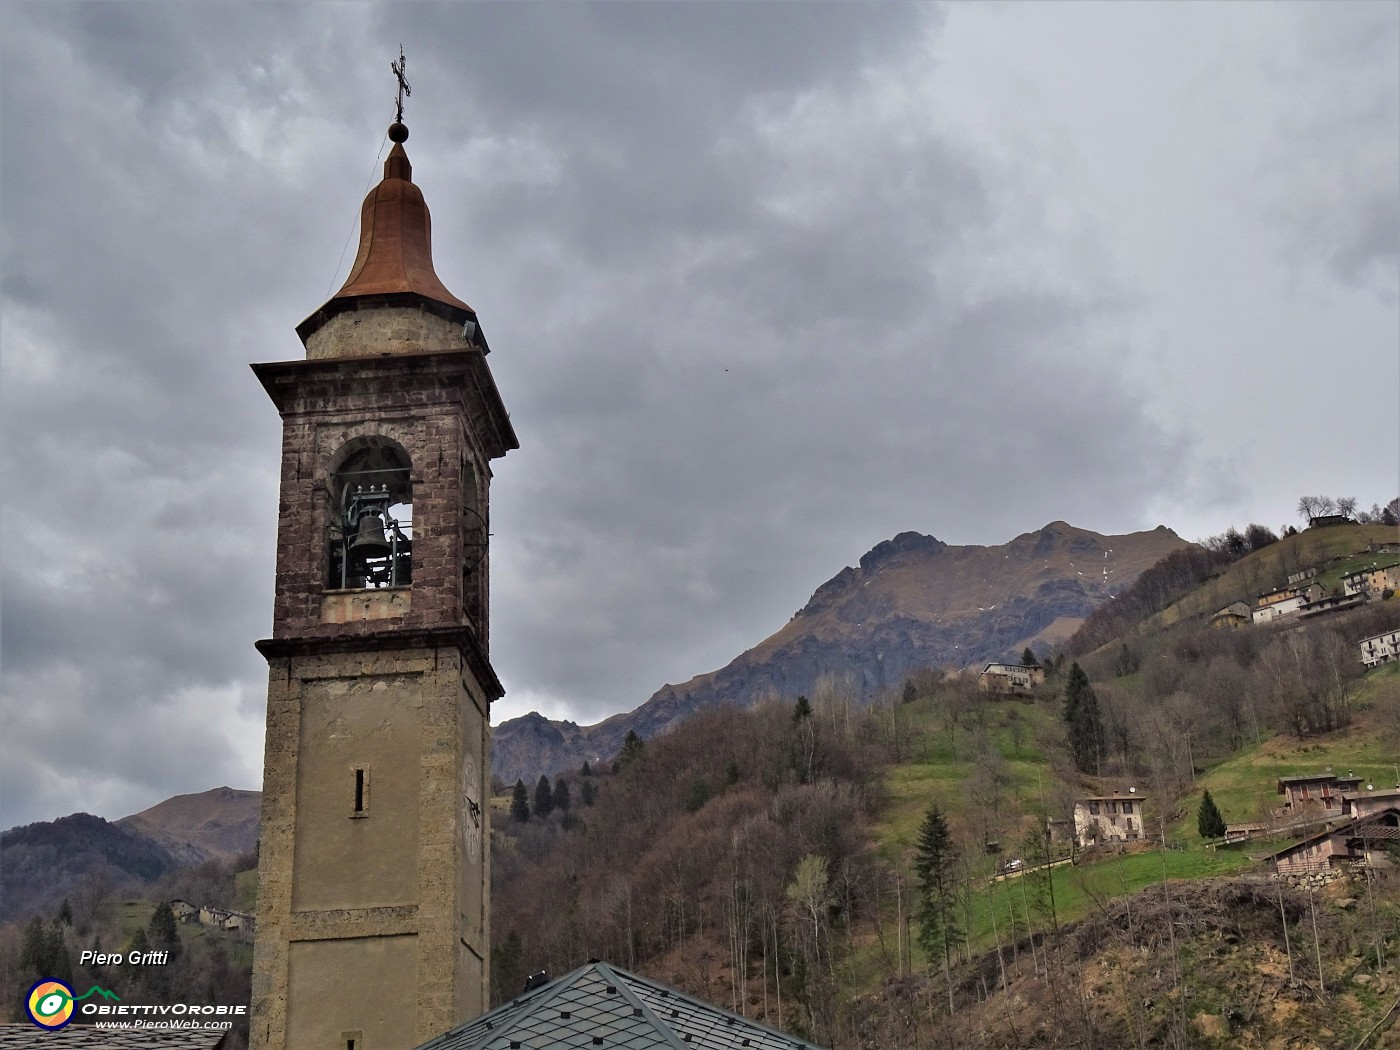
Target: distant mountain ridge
220,823
912,602
40,863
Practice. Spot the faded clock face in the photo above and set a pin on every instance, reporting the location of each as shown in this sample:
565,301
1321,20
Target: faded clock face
471,809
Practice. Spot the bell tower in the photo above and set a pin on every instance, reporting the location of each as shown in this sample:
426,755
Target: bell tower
373,879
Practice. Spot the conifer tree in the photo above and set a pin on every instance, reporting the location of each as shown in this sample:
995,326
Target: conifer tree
507,968
1209,821
162,927
164,931
631,748
1083,721
1028,658
43,953
520,803
587,770
544,797
910,692
800,710
562,799
588,792
65,913
935,863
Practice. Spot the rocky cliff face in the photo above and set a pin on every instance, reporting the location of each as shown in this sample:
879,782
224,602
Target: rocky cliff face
913,602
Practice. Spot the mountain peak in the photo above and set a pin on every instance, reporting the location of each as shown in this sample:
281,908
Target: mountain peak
904,543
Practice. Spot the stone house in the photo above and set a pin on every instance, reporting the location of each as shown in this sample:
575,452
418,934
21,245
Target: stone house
1315,794
1362,804
1108,818
1235,614
184,910
1362,841
1018,679
238,922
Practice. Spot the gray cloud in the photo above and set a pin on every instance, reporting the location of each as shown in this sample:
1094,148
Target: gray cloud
1333,163
764,286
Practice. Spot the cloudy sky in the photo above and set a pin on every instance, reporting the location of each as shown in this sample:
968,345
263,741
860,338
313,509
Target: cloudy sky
765,284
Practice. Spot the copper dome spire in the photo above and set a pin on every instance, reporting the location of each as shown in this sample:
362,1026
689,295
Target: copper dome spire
395,259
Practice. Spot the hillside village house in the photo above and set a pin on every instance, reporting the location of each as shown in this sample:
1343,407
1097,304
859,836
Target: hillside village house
1010,678
1284,602
1318,521
1308,798
1108,818
1372,581
1236,614
1362,804
1361,841
1299,577
1316,794
1330,604
1380,649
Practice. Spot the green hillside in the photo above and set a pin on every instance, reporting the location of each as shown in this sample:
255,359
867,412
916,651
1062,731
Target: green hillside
997,767
1334,550
1244,786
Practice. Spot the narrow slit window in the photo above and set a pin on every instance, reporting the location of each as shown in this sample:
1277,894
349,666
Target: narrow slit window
360,792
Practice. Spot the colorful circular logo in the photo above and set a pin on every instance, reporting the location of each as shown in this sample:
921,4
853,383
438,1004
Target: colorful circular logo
50,1004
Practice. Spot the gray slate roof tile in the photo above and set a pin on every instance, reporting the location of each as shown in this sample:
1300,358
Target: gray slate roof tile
602,1005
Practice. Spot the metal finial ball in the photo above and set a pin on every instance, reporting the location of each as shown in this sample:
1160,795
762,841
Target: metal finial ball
398,132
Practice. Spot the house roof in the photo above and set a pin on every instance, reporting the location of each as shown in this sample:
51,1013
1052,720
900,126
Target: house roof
1110,798
1306,777
1373,568
602,1005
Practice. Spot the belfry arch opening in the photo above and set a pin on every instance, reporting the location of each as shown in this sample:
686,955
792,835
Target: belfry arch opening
370,540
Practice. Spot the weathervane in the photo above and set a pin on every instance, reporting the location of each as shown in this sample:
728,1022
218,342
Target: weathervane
404,89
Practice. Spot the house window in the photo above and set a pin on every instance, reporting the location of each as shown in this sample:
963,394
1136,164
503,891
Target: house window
1094,808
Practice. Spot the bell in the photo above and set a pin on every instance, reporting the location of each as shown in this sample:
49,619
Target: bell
370,540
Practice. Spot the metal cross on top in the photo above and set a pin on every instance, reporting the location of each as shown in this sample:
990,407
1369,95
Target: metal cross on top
404,89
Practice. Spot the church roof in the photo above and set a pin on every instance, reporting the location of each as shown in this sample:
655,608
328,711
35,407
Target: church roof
395,260
84,1037
602,1005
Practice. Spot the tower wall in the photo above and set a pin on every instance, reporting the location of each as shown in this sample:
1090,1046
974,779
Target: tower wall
373,902
373,921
